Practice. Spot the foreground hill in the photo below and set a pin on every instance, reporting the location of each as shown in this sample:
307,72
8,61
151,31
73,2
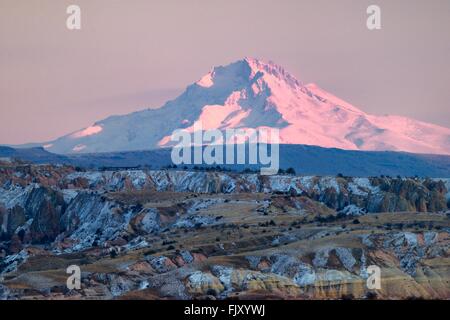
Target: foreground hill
158,234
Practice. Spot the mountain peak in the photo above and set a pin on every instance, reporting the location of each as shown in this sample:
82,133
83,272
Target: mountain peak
269,67
249,69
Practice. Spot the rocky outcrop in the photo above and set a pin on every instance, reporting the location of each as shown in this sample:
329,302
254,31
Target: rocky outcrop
31,214
73,207
367,194
379,194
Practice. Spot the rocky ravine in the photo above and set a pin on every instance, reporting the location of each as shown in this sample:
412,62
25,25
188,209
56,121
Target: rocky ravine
179,234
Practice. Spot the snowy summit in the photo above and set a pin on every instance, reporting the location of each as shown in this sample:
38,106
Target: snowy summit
251,93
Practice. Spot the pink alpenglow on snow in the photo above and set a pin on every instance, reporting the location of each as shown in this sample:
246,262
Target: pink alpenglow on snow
79,148
89,131
206,81
251,93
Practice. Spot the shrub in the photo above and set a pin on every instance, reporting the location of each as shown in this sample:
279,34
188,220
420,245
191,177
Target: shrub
290,171
113,254
371,295
211,292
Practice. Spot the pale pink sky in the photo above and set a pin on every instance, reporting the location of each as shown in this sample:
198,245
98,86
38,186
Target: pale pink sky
134,54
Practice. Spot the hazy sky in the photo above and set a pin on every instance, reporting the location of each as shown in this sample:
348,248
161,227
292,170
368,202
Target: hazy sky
134,54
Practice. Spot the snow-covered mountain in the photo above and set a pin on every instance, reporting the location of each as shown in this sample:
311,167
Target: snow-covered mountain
250,94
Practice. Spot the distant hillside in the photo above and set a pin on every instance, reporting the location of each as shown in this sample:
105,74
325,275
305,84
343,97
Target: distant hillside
36,155
306,160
